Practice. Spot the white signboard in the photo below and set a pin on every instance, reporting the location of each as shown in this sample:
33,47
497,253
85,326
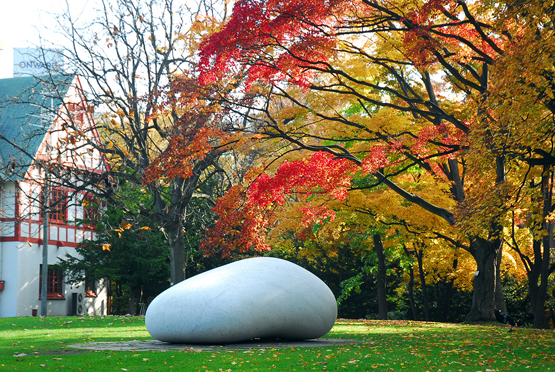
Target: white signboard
35,62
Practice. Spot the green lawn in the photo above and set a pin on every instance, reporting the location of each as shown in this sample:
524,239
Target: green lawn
36,344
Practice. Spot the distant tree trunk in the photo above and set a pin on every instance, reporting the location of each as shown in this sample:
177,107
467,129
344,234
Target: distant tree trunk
426,303
171,220
443,316
538,292
381,280
131,305
110,297
447,295
539,271
410,290
44,268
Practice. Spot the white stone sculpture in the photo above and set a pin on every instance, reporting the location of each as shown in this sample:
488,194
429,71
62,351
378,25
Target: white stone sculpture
259,297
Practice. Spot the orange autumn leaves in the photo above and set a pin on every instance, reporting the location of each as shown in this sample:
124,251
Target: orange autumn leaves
194,132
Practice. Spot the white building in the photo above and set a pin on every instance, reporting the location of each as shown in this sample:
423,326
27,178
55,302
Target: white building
34,133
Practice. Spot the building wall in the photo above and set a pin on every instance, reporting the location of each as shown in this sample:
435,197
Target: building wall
28,274
8,296
8,253
21,257
8,207
21,242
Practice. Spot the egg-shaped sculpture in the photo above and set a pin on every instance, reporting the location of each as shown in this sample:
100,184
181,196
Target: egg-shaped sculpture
259,297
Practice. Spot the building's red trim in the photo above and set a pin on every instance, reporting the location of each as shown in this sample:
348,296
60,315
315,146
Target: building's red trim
39,241
17,206
53,296
18,237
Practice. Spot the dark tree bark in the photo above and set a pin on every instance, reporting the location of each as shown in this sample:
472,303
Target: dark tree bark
540,269
419,255
447,295
486,254
131,303
381,279
499,295
410,290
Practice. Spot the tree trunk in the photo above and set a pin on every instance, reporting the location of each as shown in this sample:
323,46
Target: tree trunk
486,254
446,301
175,210
539,271
131,305
538,292
423,283
410,290
177,251
381,280
448,293
499,295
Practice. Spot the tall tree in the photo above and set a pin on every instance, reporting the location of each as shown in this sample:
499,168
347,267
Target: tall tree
387,59
133,55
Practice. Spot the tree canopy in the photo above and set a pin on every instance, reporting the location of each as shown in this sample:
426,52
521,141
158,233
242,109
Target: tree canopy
461,91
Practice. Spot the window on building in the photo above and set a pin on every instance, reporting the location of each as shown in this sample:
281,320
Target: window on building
90,286
76,111
90,208
54,284
58,205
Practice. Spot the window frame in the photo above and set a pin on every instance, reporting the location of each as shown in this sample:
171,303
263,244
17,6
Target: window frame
58,213
91,211
90,286
54,285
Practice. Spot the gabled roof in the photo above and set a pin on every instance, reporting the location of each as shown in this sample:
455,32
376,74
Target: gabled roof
28,106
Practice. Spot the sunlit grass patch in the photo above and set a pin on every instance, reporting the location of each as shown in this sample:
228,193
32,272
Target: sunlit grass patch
31,344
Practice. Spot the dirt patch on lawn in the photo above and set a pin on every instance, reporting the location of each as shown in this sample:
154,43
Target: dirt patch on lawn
55,352
165,346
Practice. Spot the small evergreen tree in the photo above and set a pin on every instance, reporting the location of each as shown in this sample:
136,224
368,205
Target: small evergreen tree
133,259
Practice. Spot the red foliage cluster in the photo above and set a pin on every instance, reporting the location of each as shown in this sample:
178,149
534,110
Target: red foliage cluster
317,214
439,134
245,215
320,173
239,226
376,159
257,31
279,40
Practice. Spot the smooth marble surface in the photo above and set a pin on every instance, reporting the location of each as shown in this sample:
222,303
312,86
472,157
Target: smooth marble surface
259,297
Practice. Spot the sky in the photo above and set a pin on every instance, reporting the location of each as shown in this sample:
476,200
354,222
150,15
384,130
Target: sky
24,22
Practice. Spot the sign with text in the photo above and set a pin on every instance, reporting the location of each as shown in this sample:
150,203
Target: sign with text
35,62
